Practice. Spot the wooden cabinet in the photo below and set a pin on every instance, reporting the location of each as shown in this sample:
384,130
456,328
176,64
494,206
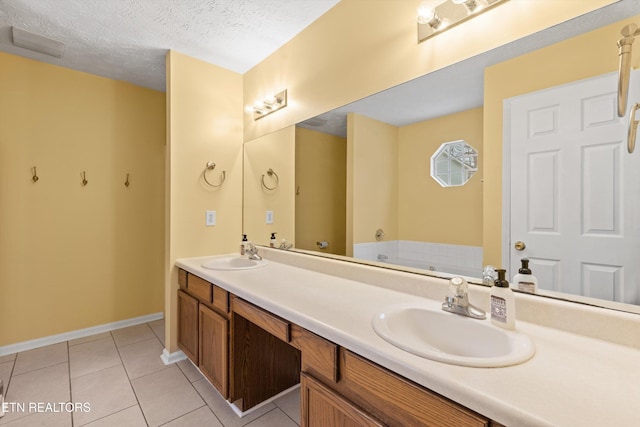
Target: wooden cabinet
397,401
262,362
214,348
322,407
188,325
250,355
203,328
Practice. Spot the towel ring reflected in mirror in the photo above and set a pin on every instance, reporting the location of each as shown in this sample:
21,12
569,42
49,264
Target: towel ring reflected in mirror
209,167
275,178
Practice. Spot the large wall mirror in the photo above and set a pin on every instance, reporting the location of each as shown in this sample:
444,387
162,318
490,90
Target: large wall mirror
359,180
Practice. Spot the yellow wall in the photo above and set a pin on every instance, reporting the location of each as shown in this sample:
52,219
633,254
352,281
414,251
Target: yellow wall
73,257
373,196
204,123
581,57
320,174
360,47
427,211
275,151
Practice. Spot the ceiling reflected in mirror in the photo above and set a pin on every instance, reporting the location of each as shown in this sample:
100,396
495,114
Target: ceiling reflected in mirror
458,87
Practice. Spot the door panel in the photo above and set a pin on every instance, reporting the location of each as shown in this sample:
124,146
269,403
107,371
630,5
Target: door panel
574,196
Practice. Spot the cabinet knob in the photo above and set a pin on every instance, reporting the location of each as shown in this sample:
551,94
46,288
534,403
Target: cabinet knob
519,245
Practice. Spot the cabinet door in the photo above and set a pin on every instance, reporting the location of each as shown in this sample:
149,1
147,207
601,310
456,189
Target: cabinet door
214,349
322,407
188,325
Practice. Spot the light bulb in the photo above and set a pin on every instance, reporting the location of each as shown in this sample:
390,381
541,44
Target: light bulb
425,13
471,5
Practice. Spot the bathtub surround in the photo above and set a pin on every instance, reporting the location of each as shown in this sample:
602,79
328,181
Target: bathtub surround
453,259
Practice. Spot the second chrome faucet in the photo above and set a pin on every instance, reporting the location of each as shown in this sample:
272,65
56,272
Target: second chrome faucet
458,300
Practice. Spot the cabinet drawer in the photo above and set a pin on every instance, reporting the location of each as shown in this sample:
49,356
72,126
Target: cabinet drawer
220,299
199,288
397,401
274,325
322,407
182,279
319,356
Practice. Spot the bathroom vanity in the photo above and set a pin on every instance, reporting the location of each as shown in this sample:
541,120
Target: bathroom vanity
255,332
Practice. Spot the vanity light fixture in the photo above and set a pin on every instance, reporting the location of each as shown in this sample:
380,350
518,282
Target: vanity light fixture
270,105
436,16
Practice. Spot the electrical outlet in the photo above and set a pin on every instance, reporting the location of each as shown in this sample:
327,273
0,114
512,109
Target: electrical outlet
269,217
210,218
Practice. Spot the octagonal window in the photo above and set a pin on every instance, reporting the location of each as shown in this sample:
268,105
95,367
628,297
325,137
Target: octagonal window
454,163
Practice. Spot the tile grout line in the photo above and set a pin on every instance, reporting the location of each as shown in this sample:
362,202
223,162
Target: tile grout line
201,396
286,414
185,414
69,374
130,381
6,386
113,413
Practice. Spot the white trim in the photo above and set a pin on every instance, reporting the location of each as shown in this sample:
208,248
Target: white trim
241,414
169,358
506,184
80,333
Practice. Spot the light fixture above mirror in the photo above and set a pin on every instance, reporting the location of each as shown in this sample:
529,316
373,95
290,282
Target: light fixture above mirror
436,16
269,105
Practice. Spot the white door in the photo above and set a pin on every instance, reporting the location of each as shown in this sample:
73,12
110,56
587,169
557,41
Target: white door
575,189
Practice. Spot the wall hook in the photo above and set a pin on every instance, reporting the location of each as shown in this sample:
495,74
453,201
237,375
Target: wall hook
84,178
209,167
273,175
298,190
127,183
34,178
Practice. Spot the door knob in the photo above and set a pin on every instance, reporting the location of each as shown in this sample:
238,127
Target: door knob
519,245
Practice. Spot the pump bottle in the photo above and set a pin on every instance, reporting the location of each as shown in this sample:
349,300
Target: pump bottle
243,244
503,305
525,281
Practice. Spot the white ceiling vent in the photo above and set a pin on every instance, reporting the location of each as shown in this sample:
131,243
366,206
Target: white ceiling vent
27,40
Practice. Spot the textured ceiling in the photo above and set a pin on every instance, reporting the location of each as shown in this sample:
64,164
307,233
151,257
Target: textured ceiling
128,39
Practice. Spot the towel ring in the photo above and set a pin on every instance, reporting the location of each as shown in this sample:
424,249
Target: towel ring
209,167
274,175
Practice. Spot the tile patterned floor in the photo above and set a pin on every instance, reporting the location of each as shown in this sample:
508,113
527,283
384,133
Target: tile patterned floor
119,376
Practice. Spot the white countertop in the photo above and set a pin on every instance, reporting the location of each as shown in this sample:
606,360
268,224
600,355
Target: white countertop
572,380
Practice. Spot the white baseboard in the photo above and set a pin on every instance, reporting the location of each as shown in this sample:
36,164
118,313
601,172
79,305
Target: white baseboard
241,414
80,333
169,358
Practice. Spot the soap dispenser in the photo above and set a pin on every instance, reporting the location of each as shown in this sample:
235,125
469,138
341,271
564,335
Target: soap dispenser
503,305
525,281
272,240
243,244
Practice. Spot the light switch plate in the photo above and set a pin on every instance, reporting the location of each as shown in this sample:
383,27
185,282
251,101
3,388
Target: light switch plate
269,217
210,218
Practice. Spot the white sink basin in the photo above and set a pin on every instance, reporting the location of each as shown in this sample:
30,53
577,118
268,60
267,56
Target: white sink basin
450,338
233,263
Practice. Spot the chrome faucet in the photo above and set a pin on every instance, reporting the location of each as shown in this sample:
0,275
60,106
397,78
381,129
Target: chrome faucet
252,251
458,300
285,245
